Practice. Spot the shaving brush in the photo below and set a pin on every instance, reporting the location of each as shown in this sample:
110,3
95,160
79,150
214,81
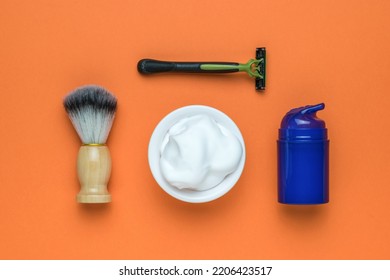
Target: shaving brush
92,110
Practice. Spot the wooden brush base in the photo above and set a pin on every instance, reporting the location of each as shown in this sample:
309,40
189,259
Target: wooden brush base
94,169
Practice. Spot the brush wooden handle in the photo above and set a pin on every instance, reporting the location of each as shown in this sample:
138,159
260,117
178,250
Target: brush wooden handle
94,169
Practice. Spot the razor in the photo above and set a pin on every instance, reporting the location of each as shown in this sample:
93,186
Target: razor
255,67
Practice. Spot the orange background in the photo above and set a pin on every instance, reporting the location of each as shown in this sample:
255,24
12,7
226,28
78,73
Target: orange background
335,52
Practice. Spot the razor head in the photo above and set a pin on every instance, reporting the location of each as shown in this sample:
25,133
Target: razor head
260,81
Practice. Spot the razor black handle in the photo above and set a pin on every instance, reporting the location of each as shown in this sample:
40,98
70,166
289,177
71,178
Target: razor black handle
151,66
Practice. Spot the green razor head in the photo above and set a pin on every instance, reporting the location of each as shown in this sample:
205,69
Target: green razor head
260,68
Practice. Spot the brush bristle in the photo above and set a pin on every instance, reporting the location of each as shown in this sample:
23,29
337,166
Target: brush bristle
91,110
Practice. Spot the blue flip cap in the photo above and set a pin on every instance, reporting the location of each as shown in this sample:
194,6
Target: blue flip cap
303,157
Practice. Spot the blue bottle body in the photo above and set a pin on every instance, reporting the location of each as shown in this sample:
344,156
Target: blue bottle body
303,158
303,172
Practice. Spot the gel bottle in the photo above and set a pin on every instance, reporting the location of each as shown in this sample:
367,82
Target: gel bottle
303,157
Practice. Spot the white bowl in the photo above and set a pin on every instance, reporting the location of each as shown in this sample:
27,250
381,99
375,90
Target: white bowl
154,154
